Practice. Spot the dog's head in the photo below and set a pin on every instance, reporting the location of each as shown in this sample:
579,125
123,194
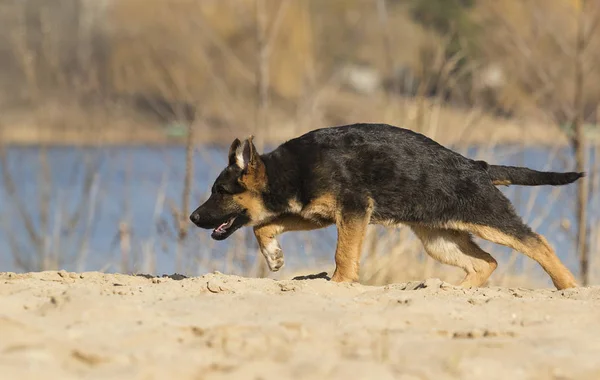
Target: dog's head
235,199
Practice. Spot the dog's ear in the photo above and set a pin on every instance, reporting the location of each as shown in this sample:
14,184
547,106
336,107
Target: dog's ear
232,151
246,155
254,176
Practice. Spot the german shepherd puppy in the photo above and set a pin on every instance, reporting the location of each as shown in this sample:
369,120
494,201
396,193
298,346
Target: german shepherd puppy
361,174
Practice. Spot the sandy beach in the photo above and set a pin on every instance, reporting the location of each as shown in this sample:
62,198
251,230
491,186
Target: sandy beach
59,325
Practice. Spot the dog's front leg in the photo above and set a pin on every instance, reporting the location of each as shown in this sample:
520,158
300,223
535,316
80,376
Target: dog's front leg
269,246
266,235
351,229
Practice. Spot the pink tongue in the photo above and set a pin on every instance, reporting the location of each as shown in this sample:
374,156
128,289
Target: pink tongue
220,228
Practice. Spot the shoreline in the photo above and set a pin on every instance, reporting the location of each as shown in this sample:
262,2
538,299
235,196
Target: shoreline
56,124
151,137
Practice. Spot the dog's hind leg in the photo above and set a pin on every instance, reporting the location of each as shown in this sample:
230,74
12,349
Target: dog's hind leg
531,244
501,225
266,235
458,249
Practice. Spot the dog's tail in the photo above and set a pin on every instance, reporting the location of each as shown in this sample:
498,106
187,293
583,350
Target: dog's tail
513,175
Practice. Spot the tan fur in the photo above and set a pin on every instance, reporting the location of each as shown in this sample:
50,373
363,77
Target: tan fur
307,218
266,236
255,178
294,206
386,222
351,233
501,182
252,202
322,207
457,248
535,247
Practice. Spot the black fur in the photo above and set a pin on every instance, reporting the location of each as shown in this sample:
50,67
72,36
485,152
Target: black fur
408,177
529,177
411,178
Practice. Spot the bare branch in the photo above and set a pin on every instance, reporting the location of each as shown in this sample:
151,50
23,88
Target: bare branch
13,193
580,146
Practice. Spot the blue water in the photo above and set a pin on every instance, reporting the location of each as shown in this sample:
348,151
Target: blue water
127,183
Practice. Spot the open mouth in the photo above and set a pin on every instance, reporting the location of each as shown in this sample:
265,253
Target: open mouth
224,229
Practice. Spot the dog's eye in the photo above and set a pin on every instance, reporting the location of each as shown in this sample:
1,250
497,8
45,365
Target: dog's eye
222,190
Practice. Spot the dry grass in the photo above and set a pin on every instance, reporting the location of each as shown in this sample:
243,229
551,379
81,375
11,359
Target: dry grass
70,125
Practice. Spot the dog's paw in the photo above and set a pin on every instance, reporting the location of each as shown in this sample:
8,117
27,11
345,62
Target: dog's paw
275,264
274,256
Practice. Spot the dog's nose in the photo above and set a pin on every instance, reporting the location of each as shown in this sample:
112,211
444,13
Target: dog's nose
195,217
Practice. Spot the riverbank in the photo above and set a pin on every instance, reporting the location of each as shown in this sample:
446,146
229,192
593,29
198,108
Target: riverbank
58,125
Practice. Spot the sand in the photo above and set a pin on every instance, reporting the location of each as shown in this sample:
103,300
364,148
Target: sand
59,325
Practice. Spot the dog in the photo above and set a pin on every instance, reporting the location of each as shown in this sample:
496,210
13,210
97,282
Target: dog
361,174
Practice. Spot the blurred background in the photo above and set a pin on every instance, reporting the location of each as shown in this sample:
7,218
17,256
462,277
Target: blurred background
116,116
